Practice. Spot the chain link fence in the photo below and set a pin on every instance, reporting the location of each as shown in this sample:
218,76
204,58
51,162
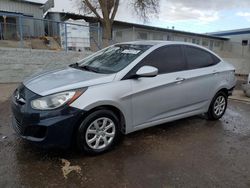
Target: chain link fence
31,33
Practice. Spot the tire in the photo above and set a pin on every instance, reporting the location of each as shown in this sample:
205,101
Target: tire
218,106
99,132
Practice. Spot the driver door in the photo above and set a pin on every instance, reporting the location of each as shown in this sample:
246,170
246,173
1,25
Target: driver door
159,97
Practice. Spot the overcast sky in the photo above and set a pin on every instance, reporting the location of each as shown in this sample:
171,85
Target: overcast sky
188,15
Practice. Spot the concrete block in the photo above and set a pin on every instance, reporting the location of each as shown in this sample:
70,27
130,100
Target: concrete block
246,89
17,64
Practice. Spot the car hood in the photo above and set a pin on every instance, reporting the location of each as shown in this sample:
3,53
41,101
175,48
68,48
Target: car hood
65,79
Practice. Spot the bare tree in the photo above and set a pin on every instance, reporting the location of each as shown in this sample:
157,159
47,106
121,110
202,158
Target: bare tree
105,11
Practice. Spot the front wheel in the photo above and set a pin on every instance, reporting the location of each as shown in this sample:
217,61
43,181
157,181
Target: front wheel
218,106
98,132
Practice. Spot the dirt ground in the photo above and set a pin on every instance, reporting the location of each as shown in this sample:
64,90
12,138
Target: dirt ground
192,152
36,43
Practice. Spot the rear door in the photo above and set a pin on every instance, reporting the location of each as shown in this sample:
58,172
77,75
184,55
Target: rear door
202,77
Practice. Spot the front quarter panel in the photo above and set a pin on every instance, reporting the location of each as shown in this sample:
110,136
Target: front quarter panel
116,94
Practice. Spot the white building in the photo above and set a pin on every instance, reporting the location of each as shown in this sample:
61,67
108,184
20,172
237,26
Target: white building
237,49
124,32
239,35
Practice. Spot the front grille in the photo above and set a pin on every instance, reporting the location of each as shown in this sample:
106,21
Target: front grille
33,131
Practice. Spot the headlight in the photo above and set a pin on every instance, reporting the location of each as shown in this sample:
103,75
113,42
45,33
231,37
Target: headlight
56,100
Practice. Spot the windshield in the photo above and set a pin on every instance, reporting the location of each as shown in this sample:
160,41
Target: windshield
113,59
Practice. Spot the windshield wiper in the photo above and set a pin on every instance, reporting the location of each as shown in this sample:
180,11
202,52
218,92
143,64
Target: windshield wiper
74,65
91,69
87,68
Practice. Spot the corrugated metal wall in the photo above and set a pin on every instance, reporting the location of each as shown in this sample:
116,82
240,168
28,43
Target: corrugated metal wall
34,10
30,27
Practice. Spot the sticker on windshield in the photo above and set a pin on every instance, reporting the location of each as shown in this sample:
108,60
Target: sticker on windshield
131,51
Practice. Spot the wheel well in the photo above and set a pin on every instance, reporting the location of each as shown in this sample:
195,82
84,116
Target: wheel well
224,90
115,110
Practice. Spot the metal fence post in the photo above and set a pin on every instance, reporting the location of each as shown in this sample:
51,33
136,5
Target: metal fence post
98,30
133,31
66,37
21,31
101,37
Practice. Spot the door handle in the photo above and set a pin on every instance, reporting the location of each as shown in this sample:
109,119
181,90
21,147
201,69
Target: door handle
179,80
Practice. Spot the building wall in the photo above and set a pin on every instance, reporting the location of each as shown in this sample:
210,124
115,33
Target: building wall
31,27
238,55
238,38
53,27
33,10
123,34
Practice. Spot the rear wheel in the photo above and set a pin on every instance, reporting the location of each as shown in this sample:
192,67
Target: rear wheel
98,132
218,106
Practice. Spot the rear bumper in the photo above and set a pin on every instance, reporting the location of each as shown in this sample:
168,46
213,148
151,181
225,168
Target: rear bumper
47,129
230,91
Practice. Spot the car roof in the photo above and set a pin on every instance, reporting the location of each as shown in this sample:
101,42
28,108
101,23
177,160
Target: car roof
162,43
157,42
145,42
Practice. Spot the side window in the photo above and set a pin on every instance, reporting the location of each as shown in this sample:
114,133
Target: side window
167,59
198,58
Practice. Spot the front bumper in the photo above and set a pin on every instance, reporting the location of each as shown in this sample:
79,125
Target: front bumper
50,128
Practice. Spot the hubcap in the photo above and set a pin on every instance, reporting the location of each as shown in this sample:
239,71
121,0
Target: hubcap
219,105
100,133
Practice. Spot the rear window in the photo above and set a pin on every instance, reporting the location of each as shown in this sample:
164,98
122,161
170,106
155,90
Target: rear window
199,58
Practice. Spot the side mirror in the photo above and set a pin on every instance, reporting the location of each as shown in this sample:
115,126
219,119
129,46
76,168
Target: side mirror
147,71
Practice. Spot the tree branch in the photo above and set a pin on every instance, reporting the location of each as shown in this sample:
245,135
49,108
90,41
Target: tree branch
116,5
104,8
92,9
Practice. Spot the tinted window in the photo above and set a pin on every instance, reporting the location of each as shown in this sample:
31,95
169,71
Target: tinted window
167,59
198,58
